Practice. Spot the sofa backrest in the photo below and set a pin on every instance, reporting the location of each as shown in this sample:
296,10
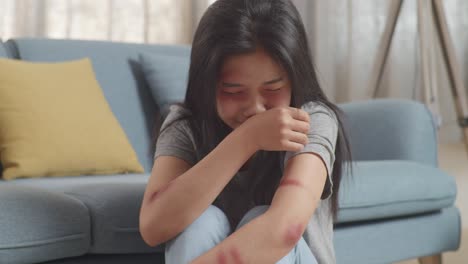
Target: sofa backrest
119,74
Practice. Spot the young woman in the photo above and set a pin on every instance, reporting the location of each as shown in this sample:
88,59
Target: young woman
248,168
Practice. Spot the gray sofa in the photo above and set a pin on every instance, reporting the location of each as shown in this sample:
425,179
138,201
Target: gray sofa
397,206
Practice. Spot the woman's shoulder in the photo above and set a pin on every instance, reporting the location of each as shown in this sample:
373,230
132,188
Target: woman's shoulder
177,117
314,107
175,137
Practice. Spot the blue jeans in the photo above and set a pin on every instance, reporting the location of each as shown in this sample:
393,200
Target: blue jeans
212,227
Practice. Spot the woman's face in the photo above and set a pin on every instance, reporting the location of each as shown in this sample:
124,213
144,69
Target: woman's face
250,84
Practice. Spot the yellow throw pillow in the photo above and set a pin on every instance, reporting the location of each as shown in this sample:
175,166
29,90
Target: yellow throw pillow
55,121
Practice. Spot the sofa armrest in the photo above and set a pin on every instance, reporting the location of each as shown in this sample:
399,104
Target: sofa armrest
391,129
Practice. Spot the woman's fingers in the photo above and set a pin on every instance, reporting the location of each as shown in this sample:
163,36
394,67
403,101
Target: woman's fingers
300,126
293,146
299,138
299,114
299,129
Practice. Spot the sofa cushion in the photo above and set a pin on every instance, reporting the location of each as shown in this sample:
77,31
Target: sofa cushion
378,189
115,210
64,184
392,188
396,239
167,77
57,122
120,76
113,202
38,225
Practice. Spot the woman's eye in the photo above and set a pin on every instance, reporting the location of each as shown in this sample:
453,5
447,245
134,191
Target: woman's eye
273,90
232,93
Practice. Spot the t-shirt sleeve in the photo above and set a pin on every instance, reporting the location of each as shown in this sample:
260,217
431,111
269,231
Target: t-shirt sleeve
175,139
322,136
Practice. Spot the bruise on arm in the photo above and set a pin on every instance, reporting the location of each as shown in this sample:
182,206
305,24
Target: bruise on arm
232,254
156,194
222,258
236,256
294,230
293,234
278,230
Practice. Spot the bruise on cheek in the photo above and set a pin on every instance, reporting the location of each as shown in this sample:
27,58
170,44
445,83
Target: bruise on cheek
156,194
223,97
293,234
290,182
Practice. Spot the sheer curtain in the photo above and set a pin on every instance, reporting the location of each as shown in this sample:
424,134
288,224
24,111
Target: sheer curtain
146,21
344,37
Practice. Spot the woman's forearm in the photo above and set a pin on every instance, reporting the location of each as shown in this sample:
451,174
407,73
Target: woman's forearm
262,240
185,198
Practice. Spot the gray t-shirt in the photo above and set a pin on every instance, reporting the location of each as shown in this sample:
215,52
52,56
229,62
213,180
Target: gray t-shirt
177,140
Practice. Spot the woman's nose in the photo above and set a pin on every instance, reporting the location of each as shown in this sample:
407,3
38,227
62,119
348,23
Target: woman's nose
254,107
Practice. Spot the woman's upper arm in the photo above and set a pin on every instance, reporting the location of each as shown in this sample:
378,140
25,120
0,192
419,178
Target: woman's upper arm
300,188
307,174
174,153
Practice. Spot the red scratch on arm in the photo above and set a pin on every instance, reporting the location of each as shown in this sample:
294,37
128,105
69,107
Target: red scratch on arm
292,182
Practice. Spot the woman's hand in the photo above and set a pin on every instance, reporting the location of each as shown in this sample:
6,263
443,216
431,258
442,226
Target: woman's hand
278,129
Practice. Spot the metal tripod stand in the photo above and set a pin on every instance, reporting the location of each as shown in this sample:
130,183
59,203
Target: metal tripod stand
425,7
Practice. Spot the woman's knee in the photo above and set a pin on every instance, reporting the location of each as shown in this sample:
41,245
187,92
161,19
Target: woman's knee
211,223
251,214
208,230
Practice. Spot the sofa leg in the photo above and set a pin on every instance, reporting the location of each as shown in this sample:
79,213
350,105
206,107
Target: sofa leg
436,259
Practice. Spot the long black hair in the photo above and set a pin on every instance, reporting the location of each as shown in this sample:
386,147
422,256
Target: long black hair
233,27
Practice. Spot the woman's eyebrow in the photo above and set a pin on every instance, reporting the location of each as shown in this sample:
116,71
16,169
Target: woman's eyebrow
225,84
273,81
